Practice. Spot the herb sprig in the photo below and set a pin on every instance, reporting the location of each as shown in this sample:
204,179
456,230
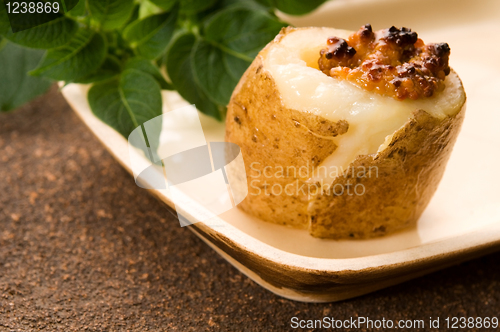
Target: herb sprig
123,47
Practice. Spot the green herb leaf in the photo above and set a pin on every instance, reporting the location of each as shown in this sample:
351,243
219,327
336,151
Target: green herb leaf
147,67
52,34
109,69
151,35
127,102
244,28
180,71
111,14
16,86
133,17
148,8
83,54
164,4
195,6
297,7
232,38
79,10
68,5
26,16
216,72
4,20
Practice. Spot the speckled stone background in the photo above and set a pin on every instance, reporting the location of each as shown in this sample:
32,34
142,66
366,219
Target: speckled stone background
83,249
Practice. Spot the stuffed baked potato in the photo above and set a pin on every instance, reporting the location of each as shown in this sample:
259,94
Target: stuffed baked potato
346,134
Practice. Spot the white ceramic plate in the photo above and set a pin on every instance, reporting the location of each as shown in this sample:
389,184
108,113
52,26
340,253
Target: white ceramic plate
462,220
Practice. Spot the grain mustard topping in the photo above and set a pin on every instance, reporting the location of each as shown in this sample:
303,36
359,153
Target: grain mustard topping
392,62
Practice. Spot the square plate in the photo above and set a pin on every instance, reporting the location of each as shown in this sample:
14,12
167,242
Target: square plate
461,222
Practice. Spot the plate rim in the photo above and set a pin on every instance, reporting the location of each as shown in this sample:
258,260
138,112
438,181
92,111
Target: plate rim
486,236
347,277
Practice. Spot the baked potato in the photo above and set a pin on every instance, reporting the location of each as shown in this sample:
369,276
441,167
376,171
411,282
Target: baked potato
346,134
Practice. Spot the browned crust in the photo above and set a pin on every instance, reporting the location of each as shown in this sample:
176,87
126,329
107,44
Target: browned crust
409,170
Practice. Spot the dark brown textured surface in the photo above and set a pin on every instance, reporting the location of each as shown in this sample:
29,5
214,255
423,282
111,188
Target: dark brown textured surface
83,248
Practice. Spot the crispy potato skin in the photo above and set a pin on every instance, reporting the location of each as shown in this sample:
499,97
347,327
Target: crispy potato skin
409,171
269,134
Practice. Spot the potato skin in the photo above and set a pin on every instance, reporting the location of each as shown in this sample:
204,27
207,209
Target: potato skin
409,171
269,134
